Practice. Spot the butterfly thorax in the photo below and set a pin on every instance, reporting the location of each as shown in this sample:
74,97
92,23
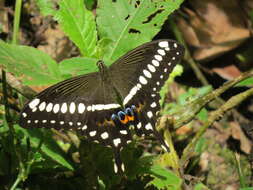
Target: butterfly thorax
103,71
106,78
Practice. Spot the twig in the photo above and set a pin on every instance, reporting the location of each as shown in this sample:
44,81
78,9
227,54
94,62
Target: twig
188,112
231,103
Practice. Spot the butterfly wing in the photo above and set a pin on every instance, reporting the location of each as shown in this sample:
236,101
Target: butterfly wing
83,103
144,71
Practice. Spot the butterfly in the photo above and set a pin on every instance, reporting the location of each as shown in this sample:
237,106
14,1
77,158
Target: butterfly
104,105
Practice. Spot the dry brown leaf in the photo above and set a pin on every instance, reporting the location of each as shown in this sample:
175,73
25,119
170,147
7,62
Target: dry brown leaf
228,72
238,134
214,27
57,45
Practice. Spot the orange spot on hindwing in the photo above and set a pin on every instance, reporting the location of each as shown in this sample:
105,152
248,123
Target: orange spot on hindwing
125,120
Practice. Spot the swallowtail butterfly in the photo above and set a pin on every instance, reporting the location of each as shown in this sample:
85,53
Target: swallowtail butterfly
102,105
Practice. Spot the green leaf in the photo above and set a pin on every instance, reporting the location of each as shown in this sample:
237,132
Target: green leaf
164,178
79,25
247,188
34,67
77,66
202,115
46,7
201,145
49,146
246,82
128,24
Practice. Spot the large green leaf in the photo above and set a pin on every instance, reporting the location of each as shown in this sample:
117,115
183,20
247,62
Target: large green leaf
34,67
77,66
46,7
128,24
79,25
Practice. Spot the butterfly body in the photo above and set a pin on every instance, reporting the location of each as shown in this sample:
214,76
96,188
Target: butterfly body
103,105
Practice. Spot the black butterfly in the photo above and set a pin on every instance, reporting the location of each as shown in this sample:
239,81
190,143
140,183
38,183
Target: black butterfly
102,105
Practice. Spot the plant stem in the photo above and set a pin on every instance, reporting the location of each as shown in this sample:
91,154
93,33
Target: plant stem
231,103
16,21
15,184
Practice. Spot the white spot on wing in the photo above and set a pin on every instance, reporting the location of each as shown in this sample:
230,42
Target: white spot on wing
149,114
123,132
24,114
49,107
147,73
132,92
36,121
161,52
111,106
151,68
165,70
44,121
84,127
122,167
34,103
64,108
139,86
163,44
93,133
143,80
173,58
29,121
89,108
139,125
61,122
42,106
56,108
153,105
161,76
116,142
70,123
155,63
104,135
99,107
81,108
148,127
34,109
169,63
158,57
157,83
53,121
175,45
72,107
115,168
78,123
